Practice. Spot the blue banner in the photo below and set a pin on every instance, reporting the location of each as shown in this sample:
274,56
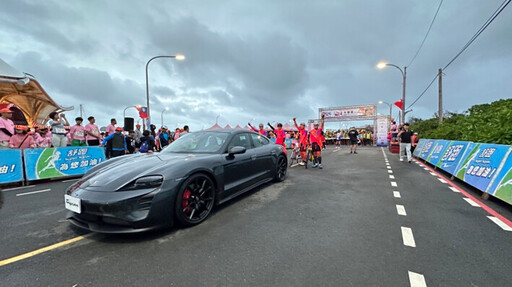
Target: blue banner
481,164
427,148
437,151
11,166
419,147
501,186
452,156
61,162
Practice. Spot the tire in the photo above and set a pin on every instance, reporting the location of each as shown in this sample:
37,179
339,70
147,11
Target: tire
281,169
195,200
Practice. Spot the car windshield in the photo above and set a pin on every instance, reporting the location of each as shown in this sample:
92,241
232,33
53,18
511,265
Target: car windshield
198,142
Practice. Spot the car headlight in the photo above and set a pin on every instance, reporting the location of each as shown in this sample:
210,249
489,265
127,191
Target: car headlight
150,181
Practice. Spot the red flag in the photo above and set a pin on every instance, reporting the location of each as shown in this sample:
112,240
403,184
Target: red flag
143,112
399,104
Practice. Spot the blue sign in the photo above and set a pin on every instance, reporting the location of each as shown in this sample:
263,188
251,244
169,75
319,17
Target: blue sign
60,162
452,156
427,148
11,166
438,151
481,164
419,147
501,186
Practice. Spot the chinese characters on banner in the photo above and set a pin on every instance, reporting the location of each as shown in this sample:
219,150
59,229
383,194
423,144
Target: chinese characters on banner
11,166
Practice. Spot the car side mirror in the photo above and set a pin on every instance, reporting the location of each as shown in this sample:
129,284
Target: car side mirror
237,150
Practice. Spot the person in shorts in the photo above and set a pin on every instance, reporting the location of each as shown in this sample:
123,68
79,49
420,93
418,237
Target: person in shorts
92,131
303,140
57,123
77,133
315,138
353,137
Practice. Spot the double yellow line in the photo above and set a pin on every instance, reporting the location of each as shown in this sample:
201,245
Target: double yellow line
41,250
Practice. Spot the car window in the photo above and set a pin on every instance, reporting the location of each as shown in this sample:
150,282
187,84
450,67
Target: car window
240,140
201,142
259,140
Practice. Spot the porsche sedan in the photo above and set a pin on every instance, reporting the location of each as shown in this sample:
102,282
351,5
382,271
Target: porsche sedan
182,184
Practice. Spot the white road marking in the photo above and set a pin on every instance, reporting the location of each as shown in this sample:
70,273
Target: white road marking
388,167
400,209
471,202
393,183
70,180
33,192
433,174
500,223
16,188
407,237
417,280
426,169
396,194
454,189
390,171
442,180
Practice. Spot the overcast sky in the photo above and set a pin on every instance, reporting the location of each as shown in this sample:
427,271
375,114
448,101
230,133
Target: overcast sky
267,60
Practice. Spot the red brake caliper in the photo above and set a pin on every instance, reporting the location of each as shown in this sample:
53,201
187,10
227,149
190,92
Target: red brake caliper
184,202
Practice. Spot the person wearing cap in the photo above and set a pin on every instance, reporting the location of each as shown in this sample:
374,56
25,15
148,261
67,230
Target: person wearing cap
41,137
261,130
163,137
57,123
303,139
405,136
118,142
77,133
92,132
21,139
315,138
138,134
6,127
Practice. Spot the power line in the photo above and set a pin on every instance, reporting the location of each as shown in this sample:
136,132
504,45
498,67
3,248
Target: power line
426,35
486,24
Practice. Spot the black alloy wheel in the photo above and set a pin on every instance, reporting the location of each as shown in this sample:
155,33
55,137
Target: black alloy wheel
195,200
281,169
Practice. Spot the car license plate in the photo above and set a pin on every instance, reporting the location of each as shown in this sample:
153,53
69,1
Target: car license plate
72,203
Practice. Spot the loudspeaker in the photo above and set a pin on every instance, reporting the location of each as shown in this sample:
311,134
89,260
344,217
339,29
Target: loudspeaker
128,124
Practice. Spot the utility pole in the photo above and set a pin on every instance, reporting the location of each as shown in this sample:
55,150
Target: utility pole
81,114
440,96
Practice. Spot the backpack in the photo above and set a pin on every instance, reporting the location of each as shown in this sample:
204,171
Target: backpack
144,147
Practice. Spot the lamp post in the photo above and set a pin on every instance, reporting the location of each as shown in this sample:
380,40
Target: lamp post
177,57
382,65
217,119
124,112
162,115
390,108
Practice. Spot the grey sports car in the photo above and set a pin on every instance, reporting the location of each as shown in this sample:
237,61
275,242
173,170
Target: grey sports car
135,193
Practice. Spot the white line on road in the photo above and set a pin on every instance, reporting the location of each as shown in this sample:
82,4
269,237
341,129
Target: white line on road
390,171
33,192
396,194
417,280
391,176
16,188
70,180
500,223
388,167
454,189
400,209
433,174
393,183
471,202
407,237
426,169
442,180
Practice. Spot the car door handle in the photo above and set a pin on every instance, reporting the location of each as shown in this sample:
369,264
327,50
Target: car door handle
253,157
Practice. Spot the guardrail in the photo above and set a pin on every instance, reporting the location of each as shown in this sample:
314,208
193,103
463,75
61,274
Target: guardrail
45,163
487,167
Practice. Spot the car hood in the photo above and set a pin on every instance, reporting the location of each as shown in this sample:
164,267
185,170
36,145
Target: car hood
124,170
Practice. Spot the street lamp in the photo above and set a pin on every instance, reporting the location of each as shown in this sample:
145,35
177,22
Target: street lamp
162,115
390,108
382,65
177,57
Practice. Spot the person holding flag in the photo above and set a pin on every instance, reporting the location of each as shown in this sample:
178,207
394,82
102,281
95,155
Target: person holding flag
280,135
261,131
303,140
315,138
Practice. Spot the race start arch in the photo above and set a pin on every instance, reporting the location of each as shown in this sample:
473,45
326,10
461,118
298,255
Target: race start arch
358,113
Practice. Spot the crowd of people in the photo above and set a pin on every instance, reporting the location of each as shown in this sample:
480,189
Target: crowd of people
56,131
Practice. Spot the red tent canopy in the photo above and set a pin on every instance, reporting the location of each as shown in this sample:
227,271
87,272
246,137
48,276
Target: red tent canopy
214,127
228,127
238,127
247,128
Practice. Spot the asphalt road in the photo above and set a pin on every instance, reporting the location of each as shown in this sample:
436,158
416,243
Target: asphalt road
339,226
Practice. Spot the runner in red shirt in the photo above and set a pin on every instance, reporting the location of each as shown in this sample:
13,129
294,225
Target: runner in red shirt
315,138
280,135
303,140
261,131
